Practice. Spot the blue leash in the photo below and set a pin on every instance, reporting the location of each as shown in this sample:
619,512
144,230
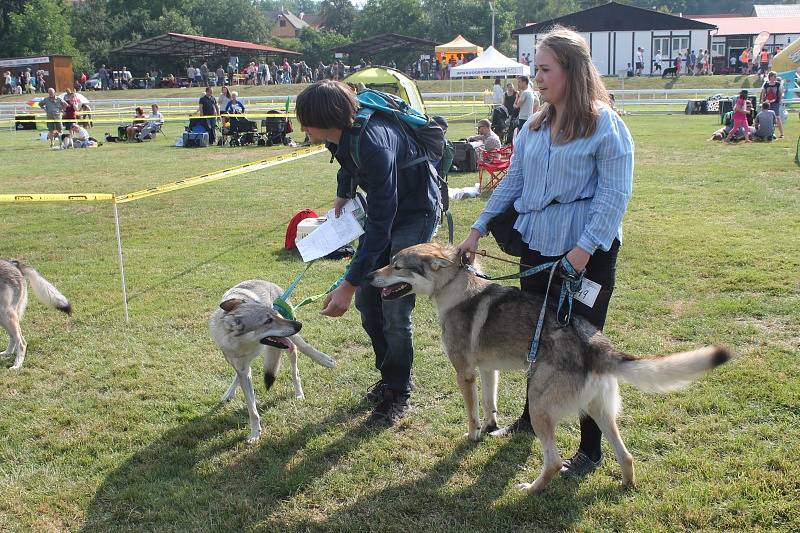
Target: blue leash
571,284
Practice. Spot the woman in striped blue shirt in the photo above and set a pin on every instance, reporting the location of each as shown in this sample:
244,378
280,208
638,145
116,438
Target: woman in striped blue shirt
570,180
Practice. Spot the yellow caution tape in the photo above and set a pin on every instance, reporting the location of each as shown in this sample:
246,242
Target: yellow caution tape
85,197
221,174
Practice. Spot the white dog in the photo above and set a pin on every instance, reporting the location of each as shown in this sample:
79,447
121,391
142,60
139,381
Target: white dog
246,326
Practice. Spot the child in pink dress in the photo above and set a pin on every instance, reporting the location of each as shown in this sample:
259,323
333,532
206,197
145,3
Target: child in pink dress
740,117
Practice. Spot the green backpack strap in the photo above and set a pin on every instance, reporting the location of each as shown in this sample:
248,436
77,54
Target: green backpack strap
362,118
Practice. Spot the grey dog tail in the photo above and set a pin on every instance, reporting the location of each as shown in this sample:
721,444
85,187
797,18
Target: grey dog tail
272,362
662,374
45,291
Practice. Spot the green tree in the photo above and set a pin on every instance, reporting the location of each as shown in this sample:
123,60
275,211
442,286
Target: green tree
242,20
41,28
315,45
337,15
391,16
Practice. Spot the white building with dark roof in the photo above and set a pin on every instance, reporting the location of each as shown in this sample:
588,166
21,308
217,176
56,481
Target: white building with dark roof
614,32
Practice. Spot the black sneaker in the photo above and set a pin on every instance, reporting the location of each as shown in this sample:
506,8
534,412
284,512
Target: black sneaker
579,465
520,425
375,392
391,410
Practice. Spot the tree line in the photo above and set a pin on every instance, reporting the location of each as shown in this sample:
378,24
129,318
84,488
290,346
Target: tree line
89,29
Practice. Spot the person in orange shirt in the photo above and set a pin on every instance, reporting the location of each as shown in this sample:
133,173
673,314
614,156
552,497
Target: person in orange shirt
764,61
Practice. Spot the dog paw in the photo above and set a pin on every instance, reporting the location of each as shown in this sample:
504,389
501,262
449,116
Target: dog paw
328,363
253,438
489,427
226,396
527,487
299,395
473,435
16,367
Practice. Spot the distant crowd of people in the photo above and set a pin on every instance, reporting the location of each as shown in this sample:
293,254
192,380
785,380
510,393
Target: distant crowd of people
25,82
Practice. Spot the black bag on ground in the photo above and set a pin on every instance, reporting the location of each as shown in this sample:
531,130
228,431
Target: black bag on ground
502,229
25,125
465,158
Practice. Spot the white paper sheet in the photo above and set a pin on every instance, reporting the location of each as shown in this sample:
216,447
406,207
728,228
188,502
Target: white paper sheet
333,233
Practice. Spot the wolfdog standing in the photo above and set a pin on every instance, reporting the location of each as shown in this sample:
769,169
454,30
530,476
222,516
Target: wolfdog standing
489,327
14,299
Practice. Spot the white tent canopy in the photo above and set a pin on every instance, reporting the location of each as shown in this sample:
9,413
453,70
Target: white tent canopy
490,63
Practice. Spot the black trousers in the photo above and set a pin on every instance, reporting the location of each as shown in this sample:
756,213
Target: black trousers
602,270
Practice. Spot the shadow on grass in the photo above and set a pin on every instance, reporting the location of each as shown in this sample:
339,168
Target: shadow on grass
178,482
491,503
196,477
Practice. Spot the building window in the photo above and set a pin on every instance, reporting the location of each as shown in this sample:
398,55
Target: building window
717,49
661,44
282,23
679,44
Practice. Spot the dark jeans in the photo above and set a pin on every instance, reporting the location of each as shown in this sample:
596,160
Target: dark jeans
388,322
602,270
211,128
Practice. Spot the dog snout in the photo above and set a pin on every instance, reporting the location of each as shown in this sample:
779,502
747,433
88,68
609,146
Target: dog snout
374,280
296,325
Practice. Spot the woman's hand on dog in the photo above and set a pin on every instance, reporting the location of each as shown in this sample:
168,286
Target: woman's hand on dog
469,246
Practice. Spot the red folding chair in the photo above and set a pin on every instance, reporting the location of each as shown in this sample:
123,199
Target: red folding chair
495,164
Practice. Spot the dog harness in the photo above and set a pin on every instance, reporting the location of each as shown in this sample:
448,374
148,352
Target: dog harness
571,284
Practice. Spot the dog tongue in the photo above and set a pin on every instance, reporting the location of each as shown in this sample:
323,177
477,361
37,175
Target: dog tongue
289,343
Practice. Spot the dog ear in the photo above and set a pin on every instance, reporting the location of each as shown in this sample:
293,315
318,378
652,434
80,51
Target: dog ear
230,305
439,262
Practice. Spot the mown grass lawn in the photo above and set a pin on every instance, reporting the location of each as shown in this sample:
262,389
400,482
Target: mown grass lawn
117,427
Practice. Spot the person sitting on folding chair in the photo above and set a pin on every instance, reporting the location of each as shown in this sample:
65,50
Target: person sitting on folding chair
153,125
485,135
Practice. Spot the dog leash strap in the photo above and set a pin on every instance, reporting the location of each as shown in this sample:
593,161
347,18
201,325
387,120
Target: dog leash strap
571,283
532,352
288,292
335,285
524,274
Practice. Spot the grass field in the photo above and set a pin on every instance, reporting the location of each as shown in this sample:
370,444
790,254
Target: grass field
117,427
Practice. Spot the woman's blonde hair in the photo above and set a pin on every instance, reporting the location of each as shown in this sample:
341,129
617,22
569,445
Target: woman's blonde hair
584,87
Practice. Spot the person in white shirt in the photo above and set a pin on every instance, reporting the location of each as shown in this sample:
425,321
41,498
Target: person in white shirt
190,74
657,61
527,101
639,61
489,138
497,92
154,122
80,137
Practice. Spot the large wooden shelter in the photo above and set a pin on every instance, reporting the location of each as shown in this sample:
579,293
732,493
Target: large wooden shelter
197,46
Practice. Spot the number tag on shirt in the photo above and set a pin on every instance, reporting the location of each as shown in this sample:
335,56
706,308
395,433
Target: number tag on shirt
588,292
